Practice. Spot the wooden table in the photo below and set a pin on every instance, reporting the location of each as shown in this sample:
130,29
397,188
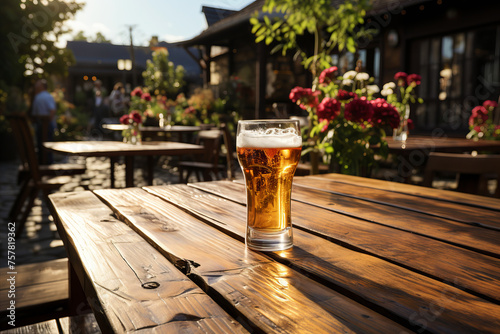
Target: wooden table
116,149
180,129
425,145
370,256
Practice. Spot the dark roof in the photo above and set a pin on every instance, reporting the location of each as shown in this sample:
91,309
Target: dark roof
213,15
218,32
105,55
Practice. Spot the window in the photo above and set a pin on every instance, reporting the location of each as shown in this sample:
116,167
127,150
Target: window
459,71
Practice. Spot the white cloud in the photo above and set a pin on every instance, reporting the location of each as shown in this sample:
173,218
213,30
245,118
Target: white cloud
172,38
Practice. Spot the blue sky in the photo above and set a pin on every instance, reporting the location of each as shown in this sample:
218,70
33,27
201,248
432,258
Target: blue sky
170,20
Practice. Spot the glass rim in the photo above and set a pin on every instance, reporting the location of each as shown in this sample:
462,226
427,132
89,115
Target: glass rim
268,120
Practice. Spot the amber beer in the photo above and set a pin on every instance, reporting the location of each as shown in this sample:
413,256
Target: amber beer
268,152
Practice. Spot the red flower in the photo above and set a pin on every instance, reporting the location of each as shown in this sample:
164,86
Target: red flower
344,95
190,110
327,75
410,124
400,75
358,110
146,97
305,97
328,109
479,116
125,119
490,104
384,113
136,117
414,79
136,92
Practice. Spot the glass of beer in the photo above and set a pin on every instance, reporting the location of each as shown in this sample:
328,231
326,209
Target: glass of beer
268,152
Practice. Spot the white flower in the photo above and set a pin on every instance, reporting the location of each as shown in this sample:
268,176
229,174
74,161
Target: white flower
372,89
386,92
350,74
389,85
362,76
347,82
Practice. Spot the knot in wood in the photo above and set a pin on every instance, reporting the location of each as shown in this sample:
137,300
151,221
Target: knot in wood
150,285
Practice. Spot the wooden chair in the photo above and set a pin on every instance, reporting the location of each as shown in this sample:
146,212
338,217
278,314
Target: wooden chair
34,179
473,172
207,166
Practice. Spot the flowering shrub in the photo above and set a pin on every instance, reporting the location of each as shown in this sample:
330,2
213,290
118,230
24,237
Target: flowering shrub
348,123
481,123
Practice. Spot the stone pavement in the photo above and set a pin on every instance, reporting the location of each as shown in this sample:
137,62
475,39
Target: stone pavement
40,240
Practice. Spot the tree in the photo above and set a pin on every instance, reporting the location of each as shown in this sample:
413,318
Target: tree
162,76
332,27
29,31
99,37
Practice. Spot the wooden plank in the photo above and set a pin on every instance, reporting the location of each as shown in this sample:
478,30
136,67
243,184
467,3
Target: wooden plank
388,286
79,324
37,273
36,284
460,213
46,327
470,237
419,191
269,296
116,266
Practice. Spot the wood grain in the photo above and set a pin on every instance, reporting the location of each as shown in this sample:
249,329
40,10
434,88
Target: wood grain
113,262
269,296
388,286
436,194
460,213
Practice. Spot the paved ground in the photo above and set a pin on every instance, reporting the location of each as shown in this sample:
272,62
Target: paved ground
40,240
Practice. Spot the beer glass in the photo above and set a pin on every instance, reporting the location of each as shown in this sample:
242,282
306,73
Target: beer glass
268,152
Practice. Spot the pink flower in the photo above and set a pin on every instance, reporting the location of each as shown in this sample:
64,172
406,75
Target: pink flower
125,119
136,117
146,97
136,92
327,75
384,113
479,116
414,79
400,77
344,95
358,110
328,109
490,105
305,97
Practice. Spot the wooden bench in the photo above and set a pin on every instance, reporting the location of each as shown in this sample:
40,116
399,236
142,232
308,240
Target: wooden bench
76,324
41,292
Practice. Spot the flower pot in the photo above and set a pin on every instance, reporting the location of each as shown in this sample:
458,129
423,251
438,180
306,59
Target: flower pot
132,135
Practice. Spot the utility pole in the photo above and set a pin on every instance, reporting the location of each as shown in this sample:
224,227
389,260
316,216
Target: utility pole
132,57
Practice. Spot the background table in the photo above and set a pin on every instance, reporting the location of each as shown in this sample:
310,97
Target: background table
115,149
181,130
370,256
425,145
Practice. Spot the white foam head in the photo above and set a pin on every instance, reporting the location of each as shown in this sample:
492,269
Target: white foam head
269,138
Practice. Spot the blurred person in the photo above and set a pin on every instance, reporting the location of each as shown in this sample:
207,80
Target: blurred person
43,112
118,100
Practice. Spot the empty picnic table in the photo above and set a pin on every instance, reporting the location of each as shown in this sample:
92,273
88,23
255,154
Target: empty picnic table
369,256
115,149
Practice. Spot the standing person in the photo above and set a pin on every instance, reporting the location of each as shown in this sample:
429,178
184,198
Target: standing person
118,101
43,111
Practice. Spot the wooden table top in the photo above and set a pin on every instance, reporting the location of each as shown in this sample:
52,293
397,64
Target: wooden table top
173,128
369,256
441,144
117,148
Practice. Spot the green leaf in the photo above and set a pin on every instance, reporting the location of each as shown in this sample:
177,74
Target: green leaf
269,40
